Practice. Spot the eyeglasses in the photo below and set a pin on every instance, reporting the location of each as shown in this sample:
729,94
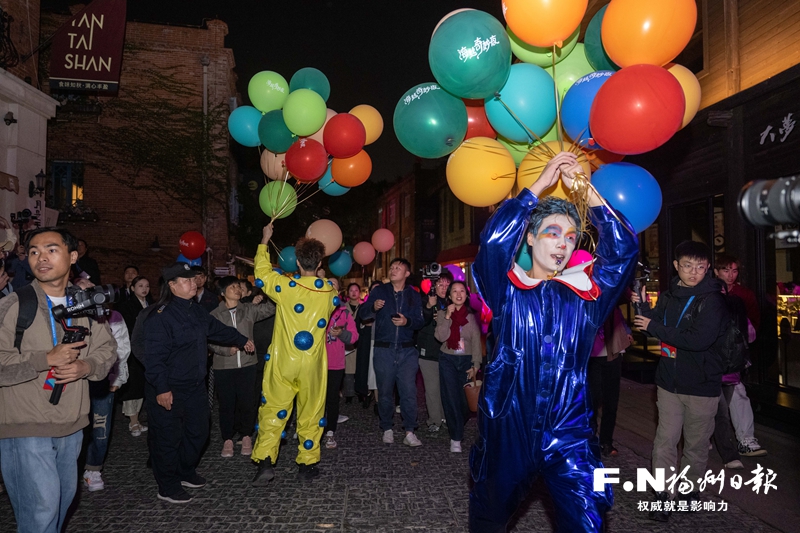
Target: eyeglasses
686,267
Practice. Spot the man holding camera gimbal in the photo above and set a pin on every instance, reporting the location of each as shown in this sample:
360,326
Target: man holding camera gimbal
40,441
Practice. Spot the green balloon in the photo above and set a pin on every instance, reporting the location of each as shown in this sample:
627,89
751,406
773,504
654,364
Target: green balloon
277,199
267,91
430,122
273,133
470,55
520,150
571,68
304,112
541,56
595,53
311,78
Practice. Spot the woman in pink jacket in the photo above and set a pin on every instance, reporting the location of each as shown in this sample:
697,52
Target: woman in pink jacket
341,331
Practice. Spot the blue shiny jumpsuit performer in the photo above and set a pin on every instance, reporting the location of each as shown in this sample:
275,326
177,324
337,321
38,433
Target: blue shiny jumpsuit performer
533,411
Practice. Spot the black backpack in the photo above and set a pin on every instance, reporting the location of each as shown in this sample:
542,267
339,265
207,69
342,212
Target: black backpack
732,346
28,305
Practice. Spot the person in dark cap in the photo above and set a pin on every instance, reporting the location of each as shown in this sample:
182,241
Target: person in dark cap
174,334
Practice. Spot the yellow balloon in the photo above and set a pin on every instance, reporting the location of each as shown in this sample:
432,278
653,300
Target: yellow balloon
481,172
691,90
372,120
532,165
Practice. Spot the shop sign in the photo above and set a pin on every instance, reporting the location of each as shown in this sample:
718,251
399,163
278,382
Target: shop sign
771,135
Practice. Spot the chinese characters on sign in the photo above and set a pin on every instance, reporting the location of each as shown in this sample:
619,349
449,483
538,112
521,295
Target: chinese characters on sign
682,506
787,125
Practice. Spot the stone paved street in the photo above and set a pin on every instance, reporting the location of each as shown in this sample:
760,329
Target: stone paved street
366,486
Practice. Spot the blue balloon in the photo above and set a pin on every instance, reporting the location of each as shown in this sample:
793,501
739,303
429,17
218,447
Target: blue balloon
523,257
340,263
287,259
631,190
330,187
530,94
299,308
259,283
323,422
321,323
578,103
191,262
318,283
243,125
308,444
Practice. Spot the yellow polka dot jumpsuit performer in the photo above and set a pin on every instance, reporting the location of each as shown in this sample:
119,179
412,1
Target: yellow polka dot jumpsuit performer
296,363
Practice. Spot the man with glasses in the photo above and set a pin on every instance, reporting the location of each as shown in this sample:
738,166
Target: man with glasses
688,319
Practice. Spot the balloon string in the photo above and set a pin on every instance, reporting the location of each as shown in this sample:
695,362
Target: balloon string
559,133
542,146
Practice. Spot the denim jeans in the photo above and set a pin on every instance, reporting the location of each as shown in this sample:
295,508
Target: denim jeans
41,476
102,401
397,365
452,378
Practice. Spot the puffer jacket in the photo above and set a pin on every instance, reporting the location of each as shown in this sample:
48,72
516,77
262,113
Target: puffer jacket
243,319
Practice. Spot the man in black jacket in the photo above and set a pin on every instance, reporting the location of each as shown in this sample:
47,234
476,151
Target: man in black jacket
688,319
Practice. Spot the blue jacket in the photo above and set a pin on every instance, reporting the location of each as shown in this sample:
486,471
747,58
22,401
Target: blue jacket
406,302
545,331
176,337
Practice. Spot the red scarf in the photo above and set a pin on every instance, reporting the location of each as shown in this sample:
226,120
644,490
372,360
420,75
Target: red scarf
457,320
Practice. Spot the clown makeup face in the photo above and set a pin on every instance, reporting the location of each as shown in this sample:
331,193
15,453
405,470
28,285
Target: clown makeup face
553,245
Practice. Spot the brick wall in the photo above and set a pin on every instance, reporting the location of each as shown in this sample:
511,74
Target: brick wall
131,217
24,34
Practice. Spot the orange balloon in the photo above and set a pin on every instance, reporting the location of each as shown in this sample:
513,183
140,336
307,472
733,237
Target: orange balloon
532,165
650,32
371,119
544,22
274,165
351,171
480,172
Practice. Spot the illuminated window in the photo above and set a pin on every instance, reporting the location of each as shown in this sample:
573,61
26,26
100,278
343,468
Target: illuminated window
67,183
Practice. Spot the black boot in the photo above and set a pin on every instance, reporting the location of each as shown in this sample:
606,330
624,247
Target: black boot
265,473
348,399
662,515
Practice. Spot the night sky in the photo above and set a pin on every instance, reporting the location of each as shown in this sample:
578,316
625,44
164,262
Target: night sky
371,52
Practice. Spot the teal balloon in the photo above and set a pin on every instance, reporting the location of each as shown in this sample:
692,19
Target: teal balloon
470,54
340,263
273,133
430,122
570,69
311,78
330,187
523,257
287,259
530,95
243,125
593,44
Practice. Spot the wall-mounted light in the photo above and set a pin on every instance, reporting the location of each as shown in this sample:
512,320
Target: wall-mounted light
155,246
38,188
9,119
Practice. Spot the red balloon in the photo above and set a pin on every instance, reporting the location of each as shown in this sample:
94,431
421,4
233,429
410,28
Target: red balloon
344,135
637,110
307,160
477,122
192,244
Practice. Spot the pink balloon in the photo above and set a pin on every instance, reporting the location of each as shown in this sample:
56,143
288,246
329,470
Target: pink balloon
458,274
363,253
274,165
328,233
382,240
329,113
579,257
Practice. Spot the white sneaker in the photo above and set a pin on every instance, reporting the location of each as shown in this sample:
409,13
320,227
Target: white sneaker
735,465
93,480
342,419
330,442
411,440
388,437
397,409
135,429
455,446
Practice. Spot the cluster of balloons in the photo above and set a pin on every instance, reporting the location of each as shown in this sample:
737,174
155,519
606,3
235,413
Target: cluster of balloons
340,259
302,137
617,93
